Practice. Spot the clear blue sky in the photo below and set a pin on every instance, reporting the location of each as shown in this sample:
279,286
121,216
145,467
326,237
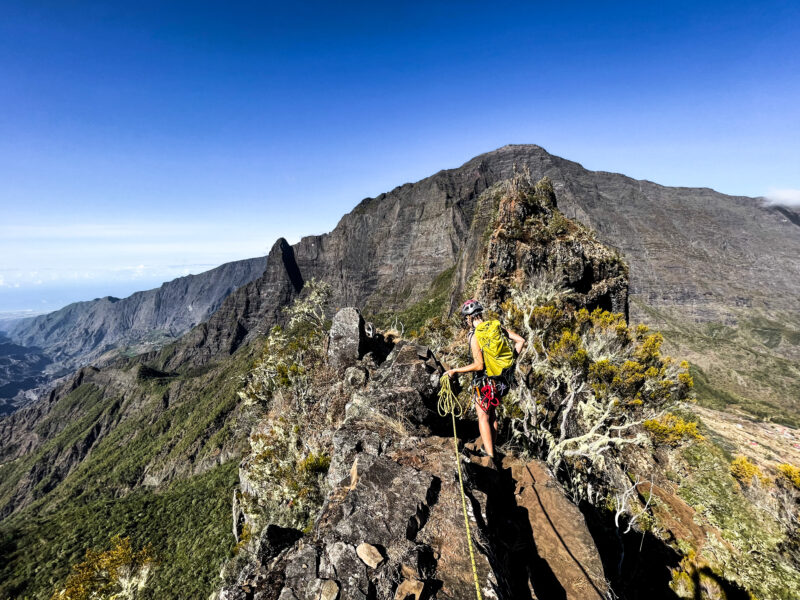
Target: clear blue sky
140,141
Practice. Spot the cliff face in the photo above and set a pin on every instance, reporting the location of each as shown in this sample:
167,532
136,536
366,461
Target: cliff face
20,369
695,256
718,274
83,332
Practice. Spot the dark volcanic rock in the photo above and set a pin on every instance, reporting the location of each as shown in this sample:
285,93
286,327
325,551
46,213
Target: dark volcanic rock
394,494
402,390
348,339
691,248
532,240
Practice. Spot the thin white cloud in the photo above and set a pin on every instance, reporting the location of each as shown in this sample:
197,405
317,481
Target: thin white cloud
103,231
785,197
50,255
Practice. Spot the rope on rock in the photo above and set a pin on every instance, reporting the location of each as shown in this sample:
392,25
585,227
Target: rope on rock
449,404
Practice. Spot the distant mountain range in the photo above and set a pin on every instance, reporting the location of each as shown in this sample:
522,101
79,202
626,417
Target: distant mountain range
39,348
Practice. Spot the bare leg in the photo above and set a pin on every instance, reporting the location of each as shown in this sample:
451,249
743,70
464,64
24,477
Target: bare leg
487,431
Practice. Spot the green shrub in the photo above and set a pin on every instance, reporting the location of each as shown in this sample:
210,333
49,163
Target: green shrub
588,383
288,479
119,572
290,353
745,471
790,473
671,430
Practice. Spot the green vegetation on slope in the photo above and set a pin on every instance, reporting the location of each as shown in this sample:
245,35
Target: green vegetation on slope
92,408
187,524
751,366
287,462
139,426
753,549
432,304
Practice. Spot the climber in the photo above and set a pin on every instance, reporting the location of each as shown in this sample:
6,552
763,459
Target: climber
493,365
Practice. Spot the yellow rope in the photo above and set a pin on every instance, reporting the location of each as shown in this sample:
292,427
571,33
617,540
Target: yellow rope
448,403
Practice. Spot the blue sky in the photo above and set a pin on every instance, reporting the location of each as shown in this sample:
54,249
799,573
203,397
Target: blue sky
142,141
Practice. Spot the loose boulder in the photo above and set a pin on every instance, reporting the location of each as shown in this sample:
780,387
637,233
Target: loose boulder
348,340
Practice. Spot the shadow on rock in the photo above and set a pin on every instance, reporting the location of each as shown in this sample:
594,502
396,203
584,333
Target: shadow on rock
637,565
506,538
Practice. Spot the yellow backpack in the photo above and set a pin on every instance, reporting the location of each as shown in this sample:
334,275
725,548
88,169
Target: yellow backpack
497,352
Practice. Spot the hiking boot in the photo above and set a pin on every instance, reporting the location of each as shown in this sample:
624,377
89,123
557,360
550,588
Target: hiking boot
497,461
487,460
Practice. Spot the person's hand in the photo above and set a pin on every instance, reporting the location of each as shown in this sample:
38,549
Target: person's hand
449,373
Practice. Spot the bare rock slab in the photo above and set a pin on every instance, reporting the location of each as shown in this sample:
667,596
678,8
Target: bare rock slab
347,339
329,590
409,589
370,555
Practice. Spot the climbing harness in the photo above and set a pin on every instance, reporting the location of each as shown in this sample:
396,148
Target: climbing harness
486,393
449,404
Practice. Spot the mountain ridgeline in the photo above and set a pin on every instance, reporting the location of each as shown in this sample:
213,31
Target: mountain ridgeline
98,330
80,333
718,274
149,444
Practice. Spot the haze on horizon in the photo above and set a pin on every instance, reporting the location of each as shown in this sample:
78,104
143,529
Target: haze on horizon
139,143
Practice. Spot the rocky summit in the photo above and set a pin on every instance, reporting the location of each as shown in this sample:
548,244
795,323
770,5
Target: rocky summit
293,444
718,274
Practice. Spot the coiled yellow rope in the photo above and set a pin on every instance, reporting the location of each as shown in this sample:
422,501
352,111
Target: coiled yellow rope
449,404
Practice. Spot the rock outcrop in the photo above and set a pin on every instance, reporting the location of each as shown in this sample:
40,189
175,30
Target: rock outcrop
347,339
531,239
695,255
392,526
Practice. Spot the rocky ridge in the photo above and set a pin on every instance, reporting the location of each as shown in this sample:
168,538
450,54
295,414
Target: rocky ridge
390,526
695,256
146,400
82,332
